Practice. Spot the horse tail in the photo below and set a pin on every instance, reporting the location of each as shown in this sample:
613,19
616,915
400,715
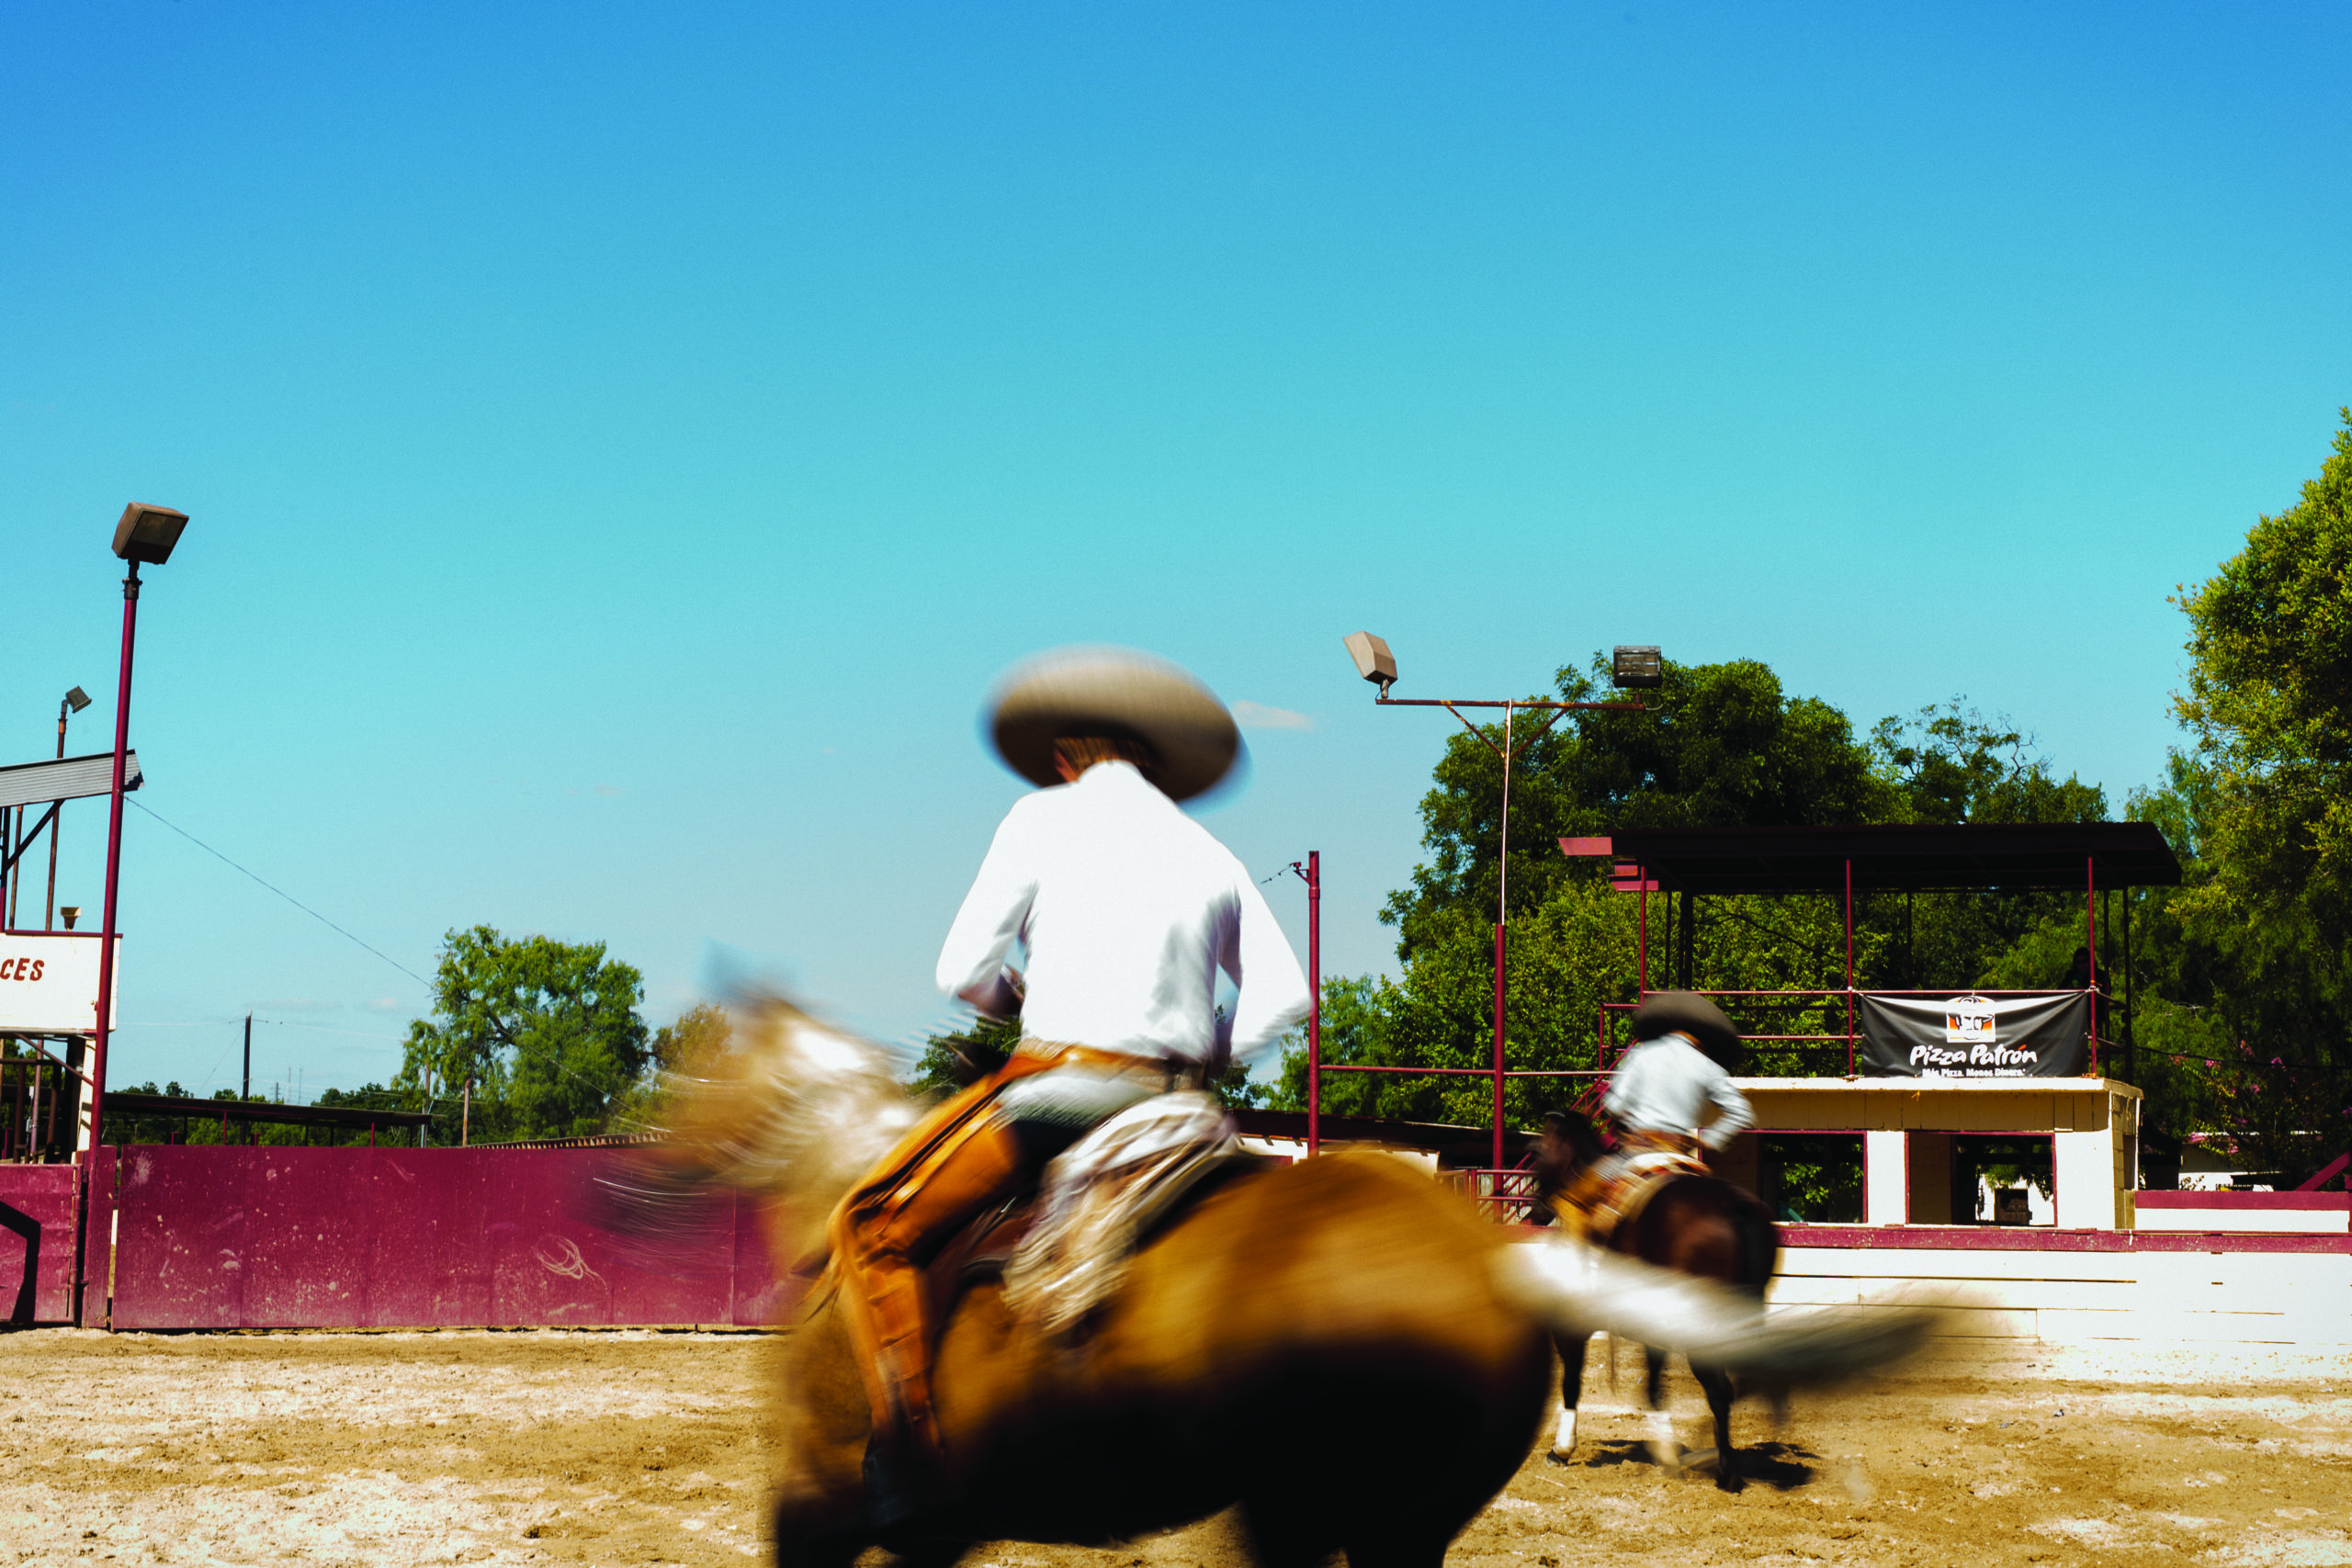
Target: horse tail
1573,1289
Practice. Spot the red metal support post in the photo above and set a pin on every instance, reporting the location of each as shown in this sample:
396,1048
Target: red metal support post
1313,876
1849,966
1502,927
2090,920
114,859
1642,940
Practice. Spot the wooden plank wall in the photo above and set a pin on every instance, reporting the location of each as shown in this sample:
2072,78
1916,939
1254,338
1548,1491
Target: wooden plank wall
2236,1297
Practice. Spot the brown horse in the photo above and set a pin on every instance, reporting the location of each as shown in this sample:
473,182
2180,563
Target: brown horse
1342,1346
1698,1225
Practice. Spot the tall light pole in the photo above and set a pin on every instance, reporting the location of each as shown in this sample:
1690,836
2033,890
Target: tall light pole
145,534
73,702
1312,875
1629,667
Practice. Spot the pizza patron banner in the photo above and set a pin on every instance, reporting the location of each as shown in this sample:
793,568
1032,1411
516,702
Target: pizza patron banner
2037,1035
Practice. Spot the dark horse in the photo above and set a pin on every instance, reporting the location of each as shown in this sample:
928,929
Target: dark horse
1694,1224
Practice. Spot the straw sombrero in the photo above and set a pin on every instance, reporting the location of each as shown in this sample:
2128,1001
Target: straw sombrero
1117,692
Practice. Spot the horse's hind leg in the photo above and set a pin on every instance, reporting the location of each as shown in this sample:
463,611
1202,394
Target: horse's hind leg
1398,1548
1663,1448
1572,1352
1718,1382
798,1547
1286,1530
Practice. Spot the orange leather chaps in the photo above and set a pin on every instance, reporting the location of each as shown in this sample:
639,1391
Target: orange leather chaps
951,1165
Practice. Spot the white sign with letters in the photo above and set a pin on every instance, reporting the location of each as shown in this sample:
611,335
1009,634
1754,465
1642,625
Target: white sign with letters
49,982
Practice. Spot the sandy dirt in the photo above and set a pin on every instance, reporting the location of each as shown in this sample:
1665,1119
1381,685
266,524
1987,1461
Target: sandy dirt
560,1448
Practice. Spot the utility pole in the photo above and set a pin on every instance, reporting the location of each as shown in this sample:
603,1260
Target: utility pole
245,1090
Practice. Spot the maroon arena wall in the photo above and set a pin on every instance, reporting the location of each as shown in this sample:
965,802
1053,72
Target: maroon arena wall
226,1238
37,1208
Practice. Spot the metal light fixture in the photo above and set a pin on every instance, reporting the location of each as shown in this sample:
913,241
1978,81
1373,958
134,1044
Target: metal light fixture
1374,661
73,702
148,533
145,536
1637,667
70,913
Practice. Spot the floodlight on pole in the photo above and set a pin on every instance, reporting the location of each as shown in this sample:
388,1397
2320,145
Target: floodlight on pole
148,533
145,534
1637,668
73,702
1376,663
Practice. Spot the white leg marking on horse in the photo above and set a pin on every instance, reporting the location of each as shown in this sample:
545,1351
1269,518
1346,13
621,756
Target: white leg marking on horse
1563,1442
1663,1448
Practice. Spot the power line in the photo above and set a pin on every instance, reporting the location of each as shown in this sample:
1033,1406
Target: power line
224,860
520,1048
329,1029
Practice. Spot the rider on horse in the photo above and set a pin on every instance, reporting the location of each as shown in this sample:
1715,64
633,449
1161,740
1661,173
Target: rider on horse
1684,1051
1130,911
1682,1062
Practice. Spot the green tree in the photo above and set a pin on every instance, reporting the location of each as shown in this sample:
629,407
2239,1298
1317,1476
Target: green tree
2242,1021
2270,700
1951,764
1723,747
547,1033
1726,746
699,1032
953,1058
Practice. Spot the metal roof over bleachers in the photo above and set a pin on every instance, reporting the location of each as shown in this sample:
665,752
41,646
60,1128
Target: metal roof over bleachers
1902,859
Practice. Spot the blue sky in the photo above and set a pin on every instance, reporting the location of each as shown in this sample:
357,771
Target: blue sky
625,443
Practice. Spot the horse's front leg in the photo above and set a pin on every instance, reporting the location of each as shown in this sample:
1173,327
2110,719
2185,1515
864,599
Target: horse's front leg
1572,1349
1718,1382
1663,1448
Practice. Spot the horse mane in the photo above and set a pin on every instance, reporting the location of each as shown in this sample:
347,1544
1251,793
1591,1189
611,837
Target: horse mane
786,1108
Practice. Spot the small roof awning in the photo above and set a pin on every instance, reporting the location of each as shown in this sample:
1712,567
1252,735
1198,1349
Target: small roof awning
67,778
1902,859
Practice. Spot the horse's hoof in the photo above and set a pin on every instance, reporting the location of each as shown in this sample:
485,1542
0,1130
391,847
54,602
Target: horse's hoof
1669,1455
1726,1481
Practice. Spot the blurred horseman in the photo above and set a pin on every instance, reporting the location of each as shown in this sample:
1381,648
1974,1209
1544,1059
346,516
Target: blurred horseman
1659,1100
1128,911
1684,1055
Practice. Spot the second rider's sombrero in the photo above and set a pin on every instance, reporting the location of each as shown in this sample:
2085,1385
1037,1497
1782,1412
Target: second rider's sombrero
1683,1013
1116,691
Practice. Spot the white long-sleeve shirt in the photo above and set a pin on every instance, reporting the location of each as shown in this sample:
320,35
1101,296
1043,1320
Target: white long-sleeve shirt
1662,1085
1130,908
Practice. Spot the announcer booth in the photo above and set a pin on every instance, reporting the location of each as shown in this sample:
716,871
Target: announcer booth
1912,1107
48,977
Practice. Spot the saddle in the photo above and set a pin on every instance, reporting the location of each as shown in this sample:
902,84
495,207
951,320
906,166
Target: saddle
1062,1248
1608,1195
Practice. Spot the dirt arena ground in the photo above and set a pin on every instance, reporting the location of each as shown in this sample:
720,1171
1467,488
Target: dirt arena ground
633,1448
